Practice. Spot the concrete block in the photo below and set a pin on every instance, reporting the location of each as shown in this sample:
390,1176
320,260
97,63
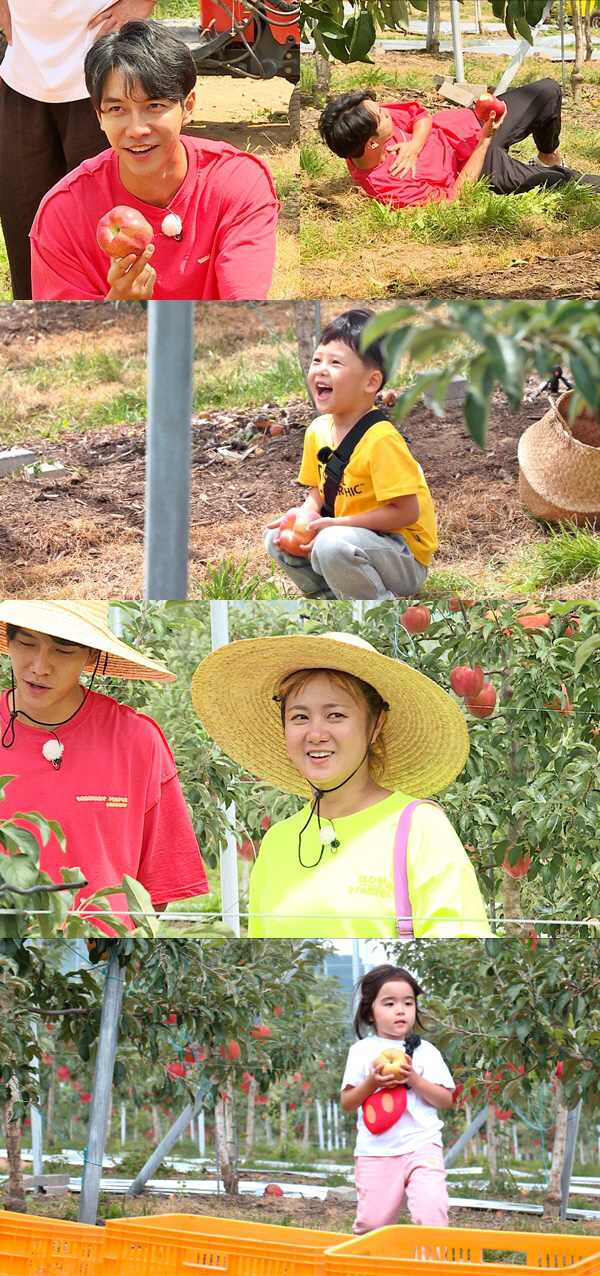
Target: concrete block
342,1194
46,467
14,460
460,94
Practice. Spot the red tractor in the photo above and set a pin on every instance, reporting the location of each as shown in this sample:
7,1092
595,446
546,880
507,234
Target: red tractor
255,38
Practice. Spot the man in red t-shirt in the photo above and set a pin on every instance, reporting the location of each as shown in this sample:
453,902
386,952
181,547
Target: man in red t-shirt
401,155
104,773
213,208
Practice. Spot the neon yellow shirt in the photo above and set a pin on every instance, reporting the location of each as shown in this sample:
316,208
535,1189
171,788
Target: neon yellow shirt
380,469
350,894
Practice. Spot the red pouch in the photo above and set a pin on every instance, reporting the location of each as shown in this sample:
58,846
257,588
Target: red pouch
384,1108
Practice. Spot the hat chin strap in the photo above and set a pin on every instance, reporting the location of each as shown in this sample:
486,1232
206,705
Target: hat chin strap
316,808
8,736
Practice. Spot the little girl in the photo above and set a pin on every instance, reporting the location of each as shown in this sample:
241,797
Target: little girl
408,1156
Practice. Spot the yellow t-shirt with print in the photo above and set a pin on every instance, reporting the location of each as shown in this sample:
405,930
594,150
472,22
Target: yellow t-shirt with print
380,469
350,892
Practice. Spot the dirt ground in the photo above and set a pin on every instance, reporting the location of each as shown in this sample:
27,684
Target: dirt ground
249,114
319,1215
80,532
555,263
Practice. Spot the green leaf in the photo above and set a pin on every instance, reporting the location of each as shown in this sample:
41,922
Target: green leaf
363,37
585,649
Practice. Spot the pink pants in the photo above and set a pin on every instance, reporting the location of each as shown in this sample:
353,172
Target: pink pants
382,1180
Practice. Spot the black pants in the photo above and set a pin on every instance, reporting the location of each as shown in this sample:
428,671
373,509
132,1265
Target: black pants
39,143
532,110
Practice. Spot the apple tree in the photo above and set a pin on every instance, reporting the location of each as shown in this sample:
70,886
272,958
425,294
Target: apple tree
493,344
510,1017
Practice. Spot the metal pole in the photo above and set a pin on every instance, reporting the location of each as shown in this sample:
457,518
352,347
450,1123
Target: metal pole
230,895
329,1143
570,1145
523,50
123,1124
318,324
335,1127
168,448
459,66
320,1126
36,1121
101,1092
456,1149
166,1144
201,1134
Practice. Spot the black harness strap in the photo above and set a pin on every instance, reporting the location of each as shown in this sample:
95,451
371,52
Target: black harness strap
337,460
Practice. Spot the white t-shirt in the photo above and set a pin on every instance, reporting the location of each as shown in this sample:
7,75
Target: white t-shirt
50,39
420,1122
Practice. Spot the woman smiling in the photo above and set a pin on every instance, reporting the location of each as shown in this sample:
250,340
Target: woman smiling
361,735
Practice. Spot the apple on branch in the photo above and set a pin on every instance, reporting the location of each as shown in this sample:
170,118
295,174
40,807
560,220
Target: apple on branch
124,231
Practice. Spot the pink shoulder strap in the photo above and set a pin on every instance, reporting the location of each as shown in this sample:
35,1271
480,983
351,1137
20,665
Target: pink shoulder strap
403,905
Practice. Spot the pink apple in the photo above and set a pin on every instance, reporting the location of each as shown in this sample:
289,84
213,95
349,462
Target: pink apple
123,231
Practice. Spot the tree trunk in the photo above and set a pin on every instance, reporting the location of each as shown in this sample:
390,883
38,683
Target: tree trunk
435,36
306,1134
552,1199
576,75
589,43
251,1119
222,1121
156,1129
511,899
305,333
268,1132
282,1123
478,26
323,80
492,1141
50,1108
16,1199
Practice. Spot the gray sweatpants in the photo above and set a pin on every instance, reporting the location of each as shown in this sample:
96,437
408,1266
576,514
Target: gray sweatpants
353,562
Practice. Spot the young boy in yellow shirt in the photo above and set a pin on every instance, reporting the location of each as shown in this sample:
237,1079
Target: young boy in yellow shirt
373,534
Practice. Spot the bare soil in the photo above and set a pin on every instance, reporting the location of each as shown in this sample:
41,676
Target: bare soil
318,1215
250,114
80,533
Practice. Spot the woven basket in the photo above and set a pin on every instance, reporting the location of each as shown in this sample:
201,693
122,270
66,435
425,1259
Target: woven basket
559,465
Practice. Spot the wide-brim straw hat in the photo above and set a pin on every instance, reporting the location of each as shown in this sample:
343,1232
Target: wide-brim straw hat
559,465
425,734
85,623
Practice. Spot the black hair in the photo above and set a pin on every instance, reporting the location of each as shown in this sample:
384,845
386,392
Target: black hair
145,53
13,630
349,328
346,124
368,988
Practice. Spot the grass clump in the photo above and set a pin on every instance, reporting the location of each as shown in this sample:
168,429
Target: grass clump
570,554
226,580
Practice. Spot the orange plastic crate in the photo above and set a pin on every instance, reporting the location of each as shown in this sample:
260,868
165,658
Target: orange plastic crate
447,1251
194,1244
49,1247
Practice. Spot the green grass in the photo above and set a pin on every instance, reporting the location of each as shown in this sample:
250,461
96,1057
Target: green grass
225,580
569,555
445,584
177,9
242,385
315,160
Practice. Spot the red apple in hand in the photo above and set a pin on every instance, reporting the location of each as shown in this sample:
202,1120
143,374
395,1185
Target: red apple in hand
123,231
294,539
486,104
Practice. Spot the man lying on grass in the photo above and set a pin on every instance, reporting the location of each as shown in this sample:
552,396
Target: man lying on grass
401,155
212,208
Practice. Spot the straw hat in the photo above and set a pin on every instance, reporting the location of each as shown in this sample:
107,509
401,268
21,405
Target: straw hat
85,623
425,733
559,465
